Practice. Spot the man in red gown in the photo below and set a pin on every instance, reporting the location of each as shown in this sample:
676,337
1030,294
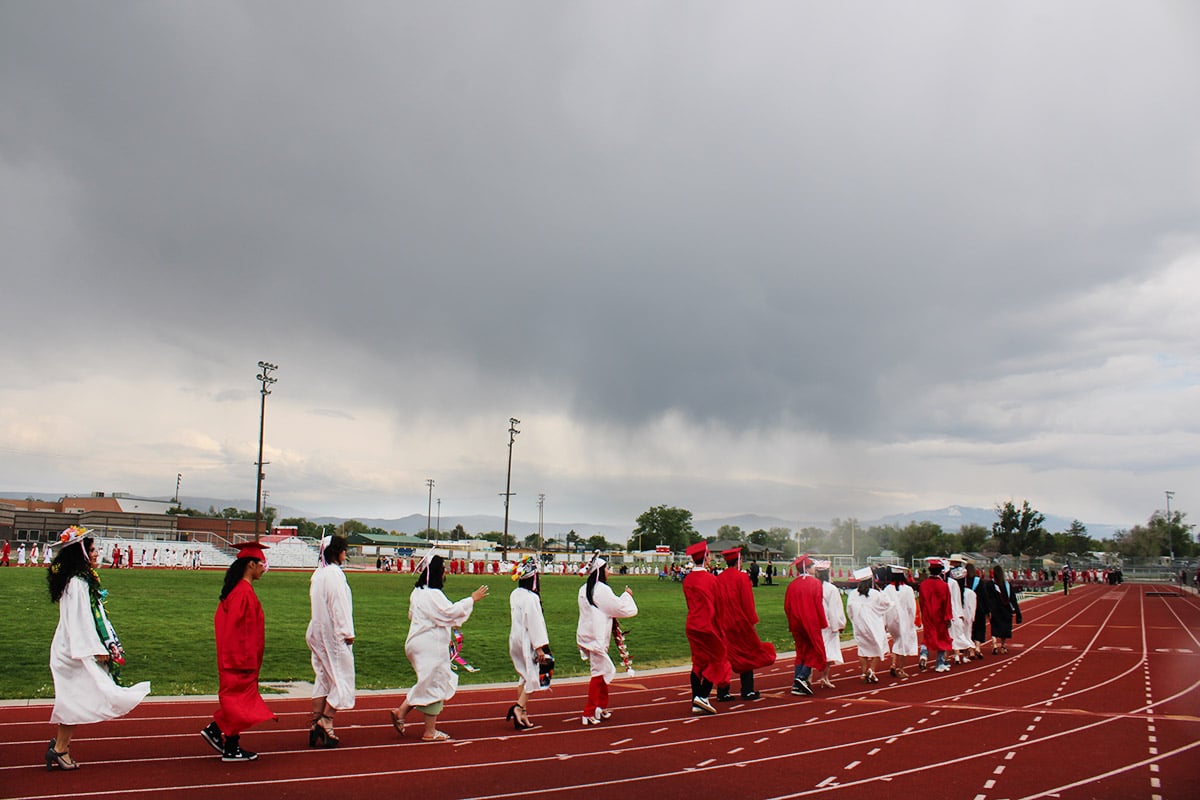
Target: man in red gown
935,613
804,606
736,618
240,633
710,661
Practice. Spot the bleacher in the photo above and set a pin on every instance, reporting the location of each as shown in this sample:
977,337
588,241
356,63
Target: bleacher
289,552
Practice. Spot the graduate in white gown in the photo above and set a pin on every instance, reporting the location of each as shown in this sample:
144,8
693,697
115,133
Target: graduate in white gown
86,655
866,607
831,634
431,617
528,642
599,606
901,619
962,618
330,637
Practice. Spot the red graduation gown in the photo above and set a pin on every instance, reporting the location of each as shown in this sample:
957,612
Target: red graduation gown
709,657
240,632
804,605
736,618
935,613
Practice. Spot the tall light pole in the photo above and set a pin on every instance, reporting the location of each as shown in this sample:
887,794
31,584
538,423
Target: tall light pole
429,514
178,479
541,517
1170,538
265,377
513,422
439,527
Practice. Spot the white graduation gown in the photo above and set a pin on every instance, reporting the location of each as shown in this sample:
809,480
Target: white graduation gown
960,627
867,613
901,619
83,690
528,632
331,624
431,616
594,632
835,615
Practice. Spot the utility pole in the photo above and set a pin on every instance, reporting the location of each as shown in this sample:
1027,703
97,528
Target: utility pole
541,517
1170,538
439,525
513,422
429,513
265,377
178,479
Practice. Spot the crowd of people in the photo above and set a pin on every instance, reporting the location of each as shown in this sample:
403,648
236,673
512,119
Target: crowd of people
952,608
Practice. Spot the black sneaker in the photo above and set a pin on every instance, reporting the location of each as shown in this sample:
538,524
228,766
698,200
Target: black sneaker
751,695
725,698
800,688
233,751
212,735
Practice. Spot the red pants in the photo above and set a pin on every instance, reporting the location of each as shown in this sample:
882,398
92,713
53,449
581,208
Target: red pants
597,695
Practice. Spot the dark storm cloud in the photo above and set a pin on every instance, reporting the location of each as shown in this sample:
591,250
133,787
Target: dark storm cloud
761,214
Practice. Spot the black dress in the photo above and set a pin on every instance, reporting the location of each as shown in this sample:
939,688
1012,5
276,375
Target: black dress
1002,605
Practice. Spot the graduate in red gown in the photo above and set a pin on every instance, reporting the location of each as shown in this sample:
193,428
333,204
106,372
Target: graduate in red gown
736,618
935,613
240,633
710,661
804,606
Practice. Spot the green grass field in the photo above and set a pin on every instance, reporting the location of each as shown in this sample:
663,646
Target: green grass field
164,618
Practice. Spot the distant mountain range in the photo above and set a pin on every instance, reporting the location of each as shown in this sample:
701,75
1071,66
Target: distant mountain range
950,518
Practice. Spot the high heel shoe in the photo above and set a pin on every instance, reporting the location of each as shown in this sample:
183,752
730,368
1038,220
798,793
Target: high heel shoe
61,760
328,738
316,735
518,723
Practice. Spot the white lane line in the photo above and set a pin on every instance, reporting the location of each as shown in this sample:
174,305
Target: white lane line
852,765
660,730
620,742
735,750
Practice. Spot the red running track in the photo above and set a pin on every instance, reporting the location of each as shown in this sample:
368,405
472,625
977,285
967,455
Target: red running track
1098,698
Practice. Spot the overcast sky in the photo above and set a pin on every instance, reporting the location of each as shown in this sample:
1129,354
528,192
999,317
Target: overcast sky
807,260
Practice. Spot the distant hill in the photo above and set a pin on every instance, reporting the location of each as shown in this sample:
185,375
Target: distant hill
951,518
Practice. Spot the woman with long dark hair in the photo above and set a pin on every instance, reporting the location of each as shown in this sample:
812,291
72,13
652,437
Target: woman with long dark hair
528,642
1003,608
240,629
330,637
86,655
599,606
431,619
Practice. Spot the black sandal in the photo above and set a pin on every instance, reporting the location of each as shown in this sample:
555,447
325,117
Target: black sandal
61,760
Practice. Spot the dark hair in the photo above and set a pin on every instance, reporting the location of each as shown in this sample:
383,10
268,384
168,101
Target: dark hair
865,586
531,583
998,574
336,546
234,575
437,574
71,561
599,576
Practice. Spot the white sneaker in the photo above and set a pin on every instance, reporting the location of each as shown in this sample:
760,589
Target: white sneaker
591,721
603,713
942,668
701,705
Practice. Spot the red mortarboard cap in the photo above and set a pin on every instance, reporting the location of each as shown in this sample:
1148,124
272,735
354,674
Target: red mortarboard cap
252,550
732,553
803,562
697,549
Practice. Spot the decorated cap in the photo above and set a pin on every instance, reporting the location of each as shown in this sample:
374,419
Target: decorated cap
524,568
897,569
594,565
698,550
862,574
73,534
803,562
957,558
732,554
252,550
822,564
958,572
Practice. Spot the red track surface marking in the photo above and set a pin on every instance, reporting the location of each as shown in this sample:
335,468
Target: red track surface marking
1099,697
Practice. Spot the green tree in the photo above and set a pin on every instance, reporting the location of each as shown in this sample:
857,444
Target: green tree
1018,531
972,536
353,526
731,533
531,541
918,539
598,542
304,527
664,525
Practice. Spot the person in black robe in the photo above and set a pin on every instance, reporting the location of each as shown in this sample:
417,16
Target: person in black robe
1003,608
982,586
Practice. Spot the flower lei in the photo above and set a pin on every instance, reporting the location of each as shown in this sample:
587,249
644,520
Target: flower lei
622,648
456,658
104,628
